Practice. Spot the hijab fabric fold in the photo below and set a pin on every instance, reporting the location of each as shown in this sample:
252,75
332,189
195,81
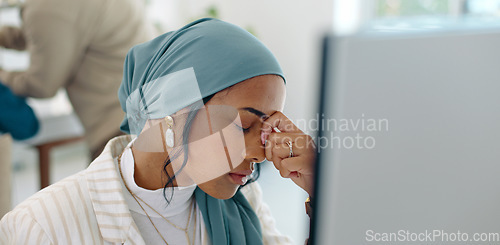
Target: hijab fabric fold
230,221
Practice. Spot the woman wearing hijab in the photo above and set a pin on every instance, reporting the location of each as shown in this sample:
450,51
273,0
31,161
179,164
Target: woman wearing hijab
203,105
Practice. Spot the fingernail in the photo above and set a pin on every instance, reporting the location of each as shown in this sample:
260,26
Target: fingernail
262,138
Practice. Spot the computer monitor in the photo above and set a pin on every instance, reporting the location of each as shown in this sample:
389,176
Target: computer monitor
409,142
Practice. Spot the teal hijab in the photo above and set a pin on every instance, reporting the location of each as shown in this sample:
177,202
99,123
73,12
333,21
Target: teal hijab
180,68
230,221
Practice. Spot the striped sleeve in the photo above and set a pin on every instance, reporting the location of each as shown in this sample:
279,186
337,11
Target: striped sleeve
58,214
18,227
270,234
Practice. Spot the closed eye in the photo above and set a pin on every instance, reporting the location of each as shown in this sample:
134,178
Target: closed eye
245,130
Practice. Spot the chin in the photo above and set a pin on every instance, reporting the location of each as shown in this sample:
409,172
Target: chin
222,196
219,188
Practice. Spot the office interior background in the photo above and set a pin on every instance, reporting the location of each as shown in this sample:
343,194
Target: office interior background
293,31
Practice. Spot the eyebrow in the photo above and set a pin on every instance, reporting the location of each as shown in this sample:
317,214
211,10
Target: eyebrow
252,110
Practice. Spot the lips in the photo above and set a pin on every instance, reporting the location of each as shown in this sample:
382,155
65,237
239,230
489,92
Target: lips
240,177
242,172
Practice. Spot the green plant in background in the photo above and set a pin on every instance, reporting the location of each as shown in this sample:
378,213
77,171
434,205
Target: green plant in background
213,12
387,8
251,30
210,12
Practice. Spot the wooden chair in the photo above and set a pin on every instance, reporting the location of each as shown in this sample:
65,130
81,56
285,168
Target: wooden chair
54,131
44,157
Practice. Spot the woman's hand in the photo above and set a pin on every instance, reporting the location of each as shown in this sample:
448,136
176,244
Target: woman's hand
300,166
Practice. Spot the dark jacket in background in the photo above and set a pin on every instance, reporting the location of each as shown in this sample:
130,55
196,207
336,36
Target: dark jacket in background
16,117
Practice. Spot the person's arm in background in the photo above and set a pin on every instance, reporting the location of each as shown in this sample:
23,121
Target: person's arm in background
52,38
16,117
12,37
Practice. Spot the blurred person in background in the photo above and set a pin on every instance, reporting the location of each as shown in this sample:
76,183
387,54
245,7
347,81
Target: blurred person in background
17,121
79,45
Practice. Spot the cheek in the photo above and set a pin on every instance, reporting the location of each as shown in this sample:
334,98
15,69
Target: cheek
206,159
208,162
215,155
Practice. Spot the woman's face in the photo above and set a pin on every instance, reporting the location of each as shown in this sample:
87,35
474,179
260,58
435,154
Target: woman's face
225,135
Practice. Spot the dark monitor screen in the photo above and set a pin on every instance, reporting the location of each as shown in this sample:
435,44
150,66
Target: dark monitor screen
409,148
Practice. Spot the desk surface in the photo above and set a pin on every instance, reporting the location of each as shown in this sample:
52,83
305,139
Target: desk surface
55,128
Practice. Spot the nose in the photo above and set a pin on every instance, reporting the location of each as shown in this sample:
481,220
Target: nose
254,149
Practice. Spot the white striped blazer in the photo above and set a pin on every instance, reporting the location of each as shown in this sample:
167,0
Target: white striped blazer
89,208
